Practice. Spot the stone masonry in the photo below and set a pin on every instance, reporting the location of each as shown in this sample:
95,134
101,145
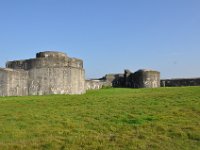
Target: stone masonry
180,82
140,79
55,73
48,73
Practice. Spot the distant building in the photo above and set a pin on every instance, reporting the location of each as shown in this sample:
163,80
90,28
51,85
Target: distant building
138,79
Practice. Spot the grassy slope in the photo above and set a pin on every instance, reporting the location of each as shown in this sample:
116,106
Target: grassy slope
163,118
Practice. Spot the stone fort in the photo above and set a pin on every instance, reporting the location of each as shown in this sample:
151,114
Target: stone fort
55,73
48,73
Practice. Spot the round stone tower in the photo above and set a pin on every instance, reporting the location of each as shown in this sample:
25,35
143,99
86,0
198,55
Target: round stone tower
50,72
147,78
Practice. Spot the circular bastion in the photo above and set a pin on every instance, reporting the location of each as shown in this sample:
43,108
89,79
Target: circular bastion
148,78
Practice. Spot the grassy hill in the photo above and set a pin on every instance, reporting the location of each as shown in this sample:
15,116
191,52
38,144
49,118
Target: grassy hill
162,118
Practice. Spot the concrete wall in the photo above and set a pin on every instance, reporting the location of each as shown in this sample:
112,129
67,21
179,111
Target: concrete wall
48,73
96,84
146,79
13,82
53,80
139,79
46,59
114,80
93,84
180,82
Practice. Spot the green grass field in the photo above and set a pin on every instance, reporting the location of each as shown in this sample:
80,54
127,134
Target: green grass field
162,118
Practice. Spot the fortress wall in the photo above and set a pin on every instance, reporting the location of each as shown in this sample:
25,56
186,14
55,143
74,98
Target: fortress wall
115,80
37,63
56,73
53,80
45,62
4,82
146,79
13,82
48,73
20,64
96,84
74,62
38,81
139,79
93,84
127,75
143,79
180,82
43,59
77,80
51,54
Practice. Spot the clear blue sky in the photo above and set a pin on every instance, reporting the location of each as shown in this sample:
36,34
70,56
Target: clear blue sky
109,35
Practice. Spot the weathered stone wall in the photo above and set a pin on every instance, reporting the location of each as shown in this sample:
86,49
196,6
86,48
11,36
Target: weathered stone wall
53,80
127,80
46,59
56,73
93,84
48,73
77,81
145,79
114,80
180,82
96,84
139,79
13,82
